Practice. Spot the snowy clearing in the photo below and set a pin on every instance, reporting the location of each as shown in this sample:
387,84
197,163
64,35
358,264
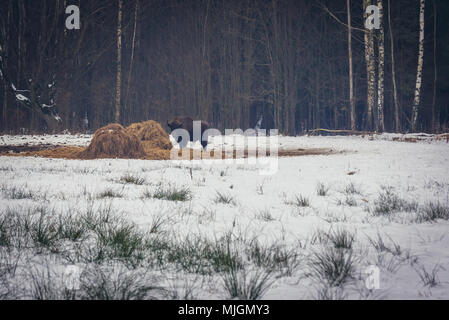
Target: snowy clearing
213,231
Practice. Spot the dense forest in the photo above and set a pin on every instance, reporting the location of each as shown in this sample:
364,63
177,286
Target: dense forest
302,64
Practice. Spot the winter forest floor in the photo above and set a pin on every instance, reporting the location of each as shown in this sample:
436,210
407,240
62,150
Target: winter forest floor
316,229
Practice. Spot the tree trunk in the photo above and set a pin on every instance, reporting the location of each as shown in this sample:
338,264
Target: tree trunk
381,70
393,72
131,62
4,64
417,100
435,120
351,76
119,61
370,69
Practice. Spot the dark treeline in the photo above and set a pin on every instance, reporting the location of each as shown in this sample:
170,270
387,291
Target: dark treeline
224,61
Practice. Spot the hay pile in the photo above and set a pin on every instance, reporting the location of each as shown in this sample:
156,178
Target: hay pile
113,141
154,139
151,134
145,140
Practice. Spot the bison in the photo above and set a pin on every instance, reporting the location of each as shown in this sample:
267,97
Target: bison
186,123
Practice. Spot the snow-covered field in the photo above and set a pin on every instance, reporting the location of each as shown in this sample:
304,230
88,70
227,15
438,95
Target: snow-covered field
313,230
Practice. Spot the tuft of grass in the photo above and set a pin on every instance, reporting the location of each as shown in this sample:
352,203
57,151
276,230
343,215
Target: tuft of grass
109,193
170,194
352,189
341,239
429,279
224,199
327,293
186,291
273,257
99,283
299,201
45,285
157,223
388,202
380,245
334,266
16,193
203,256
349,201
389,261
322,190
432,212
122,241
265,215
72,228
131,179
243,285
44,230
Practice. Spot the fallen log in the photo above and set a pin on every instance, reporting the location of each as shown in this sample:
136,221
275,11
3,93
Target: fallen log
346,132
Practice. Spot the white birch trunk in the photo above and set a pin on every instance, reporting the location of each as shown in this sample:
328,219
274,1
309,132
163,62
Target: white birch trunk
381,70
370,69
417,100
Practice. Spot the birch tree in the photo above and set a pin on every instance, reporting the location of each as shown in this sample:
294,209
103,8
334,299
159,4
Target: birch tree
417,99
370,69
381,70
119,61
435,118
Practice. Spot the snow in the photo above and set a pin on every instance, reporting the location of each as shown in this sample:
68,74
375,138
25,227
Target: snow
80,140
416,172
21,97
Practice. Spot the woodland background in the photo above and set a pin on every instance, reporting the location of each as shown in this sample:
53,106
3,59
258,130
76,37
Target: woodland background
223,61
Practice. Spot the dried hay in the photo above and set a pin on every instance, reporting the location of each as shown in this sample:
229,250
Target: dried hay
151,134
113,141
70,153
157,154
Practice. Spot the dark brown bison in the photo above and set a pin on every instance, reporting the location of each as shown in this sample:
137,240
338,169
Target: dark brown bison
186,123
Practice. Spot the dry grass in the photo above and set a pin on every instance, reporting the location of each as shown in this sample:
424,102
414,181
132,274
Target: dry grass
151,134
113,141
211,154
55,153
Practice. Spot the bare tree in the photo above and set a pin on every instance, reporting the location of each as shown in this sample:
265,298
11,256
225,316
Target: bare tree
351,75
381,70
119,61
393,72
417,100
133,46
435,118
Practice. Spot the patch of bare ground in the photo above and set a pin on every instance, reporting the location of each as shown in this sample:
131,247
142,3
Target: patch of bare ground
73,153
